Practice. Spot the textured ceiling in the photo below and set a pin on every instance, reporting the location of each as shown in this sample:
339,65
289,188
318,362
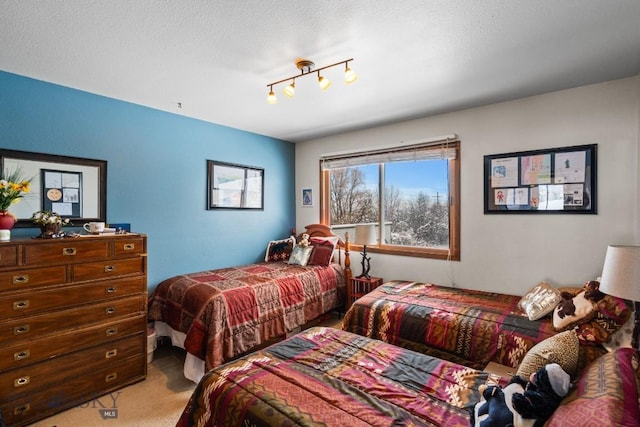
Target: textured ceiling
414,57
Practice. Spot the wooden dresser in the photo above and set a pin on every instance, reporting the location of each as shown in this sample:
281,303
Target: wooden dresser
72,321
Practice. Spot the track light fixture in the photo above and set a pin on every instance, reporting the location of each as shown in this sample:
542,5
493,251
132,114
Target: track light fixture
306,67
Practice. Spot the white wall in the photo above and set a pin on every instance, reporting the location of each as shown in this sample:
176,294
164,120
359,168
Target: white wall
510,253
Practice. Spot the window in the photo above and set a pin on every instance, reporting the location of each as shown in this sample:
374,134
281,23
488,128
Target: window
411,194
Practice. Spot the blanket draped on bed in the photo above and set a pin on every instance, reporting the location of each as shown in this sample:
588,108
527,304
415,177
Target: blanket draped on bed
330,377
467,326
229,311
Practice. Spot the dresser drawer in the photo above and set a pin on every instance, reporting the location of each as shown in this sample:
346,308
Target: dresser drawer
18,280
24,354
20,409
8,255
128,247
66,251
108,269
25,304
53,371
22,329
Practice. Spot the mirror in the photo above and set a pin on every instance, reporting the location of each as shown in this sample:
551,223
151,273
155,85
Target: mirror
74,187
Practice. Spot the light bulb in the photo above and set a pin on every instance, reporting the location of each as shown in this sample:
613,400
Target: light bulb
290,90
350,76
271,99
323,82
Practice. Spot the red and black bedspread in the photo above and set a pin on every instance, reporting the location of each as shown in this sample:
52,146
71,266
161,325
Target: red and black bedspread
467,326
229,311
330,377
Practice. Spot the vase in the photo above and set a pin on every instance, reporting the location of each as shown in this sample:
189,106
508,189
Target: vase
6,224
49,231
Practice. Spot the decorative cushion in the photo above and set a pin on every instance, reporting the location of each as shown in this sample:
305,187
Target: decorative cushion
333,240
300,255
606,394
540,301
280,250
321,254
611,314
562,348
584,311
621,338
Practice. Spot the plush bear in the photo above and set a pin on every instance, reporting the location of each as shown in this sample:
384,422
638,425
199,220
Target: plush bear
304,240
522,403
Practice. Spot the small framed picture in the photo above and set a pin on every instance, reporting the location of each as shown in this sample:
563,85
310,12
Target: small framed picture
307,197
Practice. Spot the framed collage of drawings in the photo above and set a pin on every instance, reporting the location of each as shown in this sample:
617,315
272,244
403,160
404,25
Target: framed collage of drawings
550,181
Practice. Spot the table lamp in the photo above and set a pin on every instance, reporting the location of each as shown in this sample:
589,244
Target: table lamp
621,278
365,235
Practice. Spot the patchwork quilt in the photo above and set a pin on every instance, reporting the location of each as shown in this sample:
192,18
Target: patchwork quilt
466,326
330,377
229,311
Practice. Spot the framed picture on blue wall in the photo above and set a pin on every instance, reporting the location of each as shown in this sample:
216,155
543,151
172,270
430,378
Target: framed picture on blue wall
232,186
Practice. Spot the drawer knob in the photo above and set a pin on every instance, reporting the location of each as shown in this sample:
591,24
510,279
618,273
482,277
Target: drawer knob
22,329
111,289
129,246
110,377
19,305
19,382
21,355
111,353
112,331
69,251
110,310
21,410
109,268
21,280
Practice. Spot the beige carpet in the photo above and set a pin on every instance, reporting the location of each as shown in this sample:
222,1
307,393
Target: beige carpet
157,401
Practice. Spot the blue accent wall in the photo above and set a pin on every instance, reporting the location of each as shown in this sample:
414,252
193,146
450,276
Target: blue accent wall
156,171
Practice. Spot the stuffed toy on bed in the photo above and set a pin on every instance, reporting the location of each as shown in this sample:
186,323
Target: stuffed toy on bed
522,403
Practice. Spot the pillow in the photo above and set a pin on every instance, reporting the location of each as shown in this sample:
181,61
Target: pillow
329,241
606,395
321,255
622,337
300,255
333,240
584,311
280,250
540,301
562,348
611,313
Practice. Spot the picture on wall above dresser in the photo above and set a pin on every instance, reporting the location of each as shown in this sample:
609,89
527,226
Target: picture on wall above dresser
73,187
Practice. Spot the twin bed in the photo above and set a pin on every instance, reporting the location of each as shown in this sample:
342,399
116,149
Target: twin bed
409,354
217,315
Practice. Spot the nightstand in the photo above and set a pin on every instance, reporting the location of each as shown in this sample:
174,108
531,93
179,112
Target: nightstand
361,286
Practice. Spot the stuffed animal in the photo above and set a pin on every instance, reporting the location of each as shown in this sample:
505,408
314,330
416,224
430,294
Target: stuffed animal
304,240
530,402
592,291
567,307
494,407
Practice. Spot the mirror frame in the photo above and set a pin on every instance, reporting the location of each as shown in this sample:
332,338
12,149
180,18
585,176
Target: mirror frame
58,163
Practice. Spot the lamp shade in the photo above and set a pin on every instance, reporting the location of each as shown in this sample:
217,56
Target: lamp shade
365,234
621,272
